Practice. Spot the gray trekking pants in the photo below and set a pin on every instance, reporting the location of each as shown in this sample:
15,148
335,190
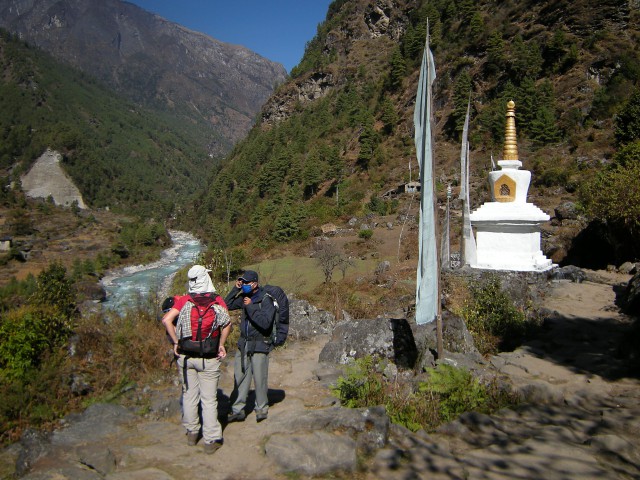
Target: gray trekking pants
256,366
201,389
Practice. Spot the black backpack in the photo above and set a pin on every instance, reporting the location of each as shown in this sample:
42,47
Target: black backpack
280,328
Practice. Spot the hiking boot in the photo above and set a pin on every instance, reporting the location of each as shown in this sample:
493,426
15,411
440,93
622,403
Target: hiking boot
212,447
260,416
237,417
192,438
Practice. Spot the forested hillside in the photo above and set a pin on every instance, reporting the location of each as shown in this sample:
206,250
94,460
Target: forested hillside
119,155
340,133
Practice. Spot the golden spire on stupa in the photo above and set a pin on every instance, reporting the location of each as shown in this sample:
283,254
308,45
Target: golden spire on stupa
510,150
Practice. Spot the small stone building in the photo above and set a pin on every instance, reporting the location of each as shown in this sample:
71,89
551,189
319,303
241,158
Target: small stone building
5,244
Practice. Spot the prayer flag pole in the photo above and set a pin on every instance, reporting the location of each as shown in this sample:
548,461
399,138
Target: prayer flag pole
428,307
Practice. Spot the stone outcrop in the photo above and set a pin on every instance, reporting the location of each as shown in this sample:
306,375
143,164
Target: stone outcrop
302,91
46,178
371,20
400,341
381,18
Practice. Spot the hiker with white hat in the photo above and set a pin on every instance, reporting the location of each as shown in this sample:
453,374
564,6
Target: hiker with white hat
202,324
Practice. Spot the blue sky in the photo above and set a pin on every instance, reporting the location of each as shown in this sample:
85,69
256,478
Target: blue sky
276,29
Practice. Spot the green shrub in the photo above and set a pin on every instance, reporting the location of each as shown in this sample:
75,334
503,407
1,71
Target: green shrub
27,334
382,207
35,366
54,289
361,386
365,234
627,121
457,391
613,194
40,396
15,292
553,176
492,318
449,392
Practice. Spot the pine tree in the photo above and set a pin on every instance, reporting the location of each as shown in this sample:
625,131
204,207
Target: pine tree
556,49
398,70
313,173
627,121
389,116
528,103
476,27
526,59
496,54
543,127
368,141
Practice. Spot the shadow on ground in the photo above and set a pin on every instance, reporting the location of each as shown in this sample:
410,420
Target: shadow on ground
603,346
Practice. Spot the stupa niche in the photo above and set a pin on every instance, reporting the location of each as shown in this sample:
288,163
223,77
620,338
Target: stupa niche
508,228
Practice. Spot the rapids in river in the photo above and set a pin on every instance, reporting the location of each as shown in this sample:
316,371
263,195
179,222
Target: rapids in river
129,286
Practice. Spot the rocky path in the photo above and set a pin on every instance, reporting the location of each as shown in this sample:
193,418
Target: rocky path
582,421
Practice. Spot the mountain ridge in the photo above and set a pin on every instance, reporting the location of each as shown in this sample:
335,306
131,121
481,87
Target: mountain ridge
152,60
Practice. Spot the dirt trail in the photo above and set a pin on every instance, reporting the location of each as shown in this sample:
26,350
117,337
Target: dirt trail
293,388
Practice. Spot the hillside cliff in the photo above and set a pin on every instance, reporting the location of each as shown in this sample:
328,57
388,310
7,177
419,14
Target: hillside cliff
152,61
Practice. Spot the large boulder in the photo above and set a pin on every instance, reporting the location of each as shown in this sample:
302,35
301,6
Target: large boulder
568,272
92,291
566,211
399,340
353,339
307,321
630,299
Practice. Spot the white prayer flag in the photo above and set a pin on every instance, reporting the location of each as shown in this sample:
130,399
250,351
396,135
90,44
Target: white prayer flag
468,252
428,275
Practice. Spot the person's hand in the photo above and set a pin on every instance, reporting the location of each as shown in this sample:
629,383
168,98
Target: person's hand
238,283
175,349
246,300
222,352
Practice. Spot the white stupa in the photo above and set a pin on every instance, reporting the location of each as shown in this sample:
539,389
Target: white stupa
508,228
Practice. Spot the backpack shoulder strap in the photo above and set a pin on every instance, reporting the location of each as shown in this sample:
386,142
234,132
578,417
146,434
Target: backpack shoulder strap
273,299
183,325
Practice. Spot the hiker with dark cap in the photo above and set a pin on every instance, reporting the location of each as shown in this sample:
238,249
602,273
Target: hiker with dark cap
198,325
252,356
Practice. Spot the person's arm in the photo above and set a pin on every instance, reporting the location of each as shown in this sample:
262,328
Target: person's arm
233,299
224,333
167,321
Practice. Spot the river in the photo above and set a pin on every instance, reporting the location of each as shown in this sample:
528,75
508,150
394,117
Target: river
130,285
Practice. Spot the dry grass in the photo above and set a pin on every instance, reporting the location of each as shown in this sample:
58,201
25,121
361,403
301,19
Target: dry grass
455,291
112,351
